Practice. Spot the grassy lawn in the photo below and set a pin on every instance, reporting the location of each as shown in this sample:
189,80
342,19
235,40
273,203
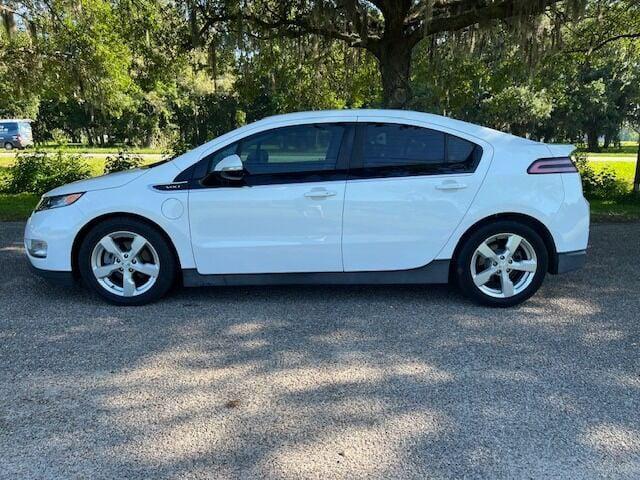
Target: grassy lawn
615,210
17,207
77,148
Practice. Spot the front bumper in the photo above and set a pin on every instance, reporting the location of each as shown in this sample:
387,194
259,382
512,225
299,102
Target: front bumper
57,227
64,279
568,261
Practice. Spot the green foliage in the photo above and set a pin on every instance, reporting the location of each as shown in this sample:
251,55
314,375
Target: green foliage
38,172
603,184
122,161
518,109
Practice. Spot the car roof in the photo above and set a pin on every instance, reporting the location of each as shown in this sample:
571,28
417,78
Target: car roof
15,120
478,131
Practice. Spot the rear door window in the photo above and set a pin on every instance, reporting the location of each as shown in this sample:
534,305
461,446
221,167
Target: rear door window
407,150
401,145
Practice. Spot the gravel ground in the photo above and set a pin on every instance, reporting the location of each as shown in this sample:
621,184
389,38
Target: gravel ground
324,382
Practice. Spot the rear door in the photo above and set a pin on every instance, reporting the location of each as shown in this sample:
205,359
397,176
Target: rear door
409,187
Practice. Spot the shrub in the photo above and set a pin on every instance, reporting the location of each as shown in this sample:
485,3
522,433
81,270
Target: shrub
38,172
60,137
122,161
604,184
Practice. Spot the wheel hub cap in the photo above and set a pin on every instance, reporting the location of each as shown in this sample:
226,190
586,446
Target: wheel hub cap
125,264
503,265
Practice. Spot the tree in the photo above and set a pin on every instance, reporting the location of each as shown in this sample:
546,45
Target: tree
388,29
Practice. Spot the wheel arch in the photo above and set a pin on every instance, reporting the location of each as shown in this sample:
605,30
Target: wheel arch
82,233
539,227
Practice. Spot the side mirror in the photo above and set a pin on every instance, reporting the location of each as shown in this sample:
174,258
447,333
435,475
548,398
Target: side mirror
229,168
232,163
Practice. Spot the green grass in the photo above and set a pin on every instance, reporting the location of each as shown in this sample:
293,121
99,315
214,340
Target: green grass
615,210
17,207
78,148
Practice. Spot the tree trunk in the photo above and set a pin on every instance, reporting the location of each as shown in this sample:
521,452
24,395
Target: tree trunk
636,179
394,59
9,23
592,140
193,24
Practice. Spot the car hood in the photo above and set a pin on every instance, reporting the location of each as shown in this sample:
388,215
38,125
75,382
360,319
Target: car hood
112,180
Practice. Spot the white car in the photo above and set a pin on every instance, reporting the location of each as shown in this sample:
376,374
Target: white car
331,197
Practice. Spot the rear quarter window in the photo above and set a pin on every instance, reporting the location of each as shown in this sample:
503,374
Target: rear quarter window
462,154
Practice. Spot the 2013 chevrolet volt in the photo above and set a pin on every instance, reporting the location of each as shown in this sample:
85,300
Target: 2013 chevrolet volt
333,197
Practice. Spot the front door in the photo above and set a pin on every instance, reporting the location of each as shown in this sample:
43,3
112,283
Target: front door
285,215
408,190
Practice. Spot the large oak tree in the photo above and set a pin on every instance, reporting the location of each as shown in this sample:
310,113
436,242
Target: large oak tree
389,29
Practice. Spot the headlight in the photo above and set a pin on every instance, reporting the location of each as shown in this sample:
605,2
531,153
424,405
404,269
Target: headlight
57,201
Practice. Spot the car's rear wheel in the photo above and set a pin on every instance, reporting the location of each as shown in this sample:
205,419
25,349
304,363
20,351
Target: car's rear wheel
502,264
8,146
127,262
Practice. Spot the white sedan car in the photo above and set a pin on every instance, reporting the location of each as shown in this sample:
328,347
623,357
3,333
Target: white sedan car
332,197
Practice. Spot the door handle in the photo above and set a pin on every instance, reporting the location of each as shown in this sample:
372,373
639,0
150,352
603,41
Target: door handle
451,185
320,193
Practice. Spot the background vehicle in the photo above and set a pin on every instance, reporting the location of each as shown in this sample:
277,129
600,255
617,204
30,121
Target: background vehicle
354,196
15,133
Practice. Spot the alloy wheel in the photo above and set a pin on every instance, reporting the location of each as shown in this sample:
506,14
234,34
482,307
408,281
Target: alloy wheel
125,263
504,265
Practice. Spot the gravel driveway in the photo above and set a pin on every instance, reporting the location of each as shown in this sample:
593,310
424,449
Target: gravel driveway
324,382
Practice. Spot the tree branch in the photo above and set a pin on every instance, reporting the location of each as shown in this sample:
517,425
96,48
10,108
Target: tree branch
604,43
498,10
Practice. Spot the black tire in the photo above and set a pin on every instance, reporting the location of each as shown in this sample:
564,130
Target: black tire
466,253
167,262
8,146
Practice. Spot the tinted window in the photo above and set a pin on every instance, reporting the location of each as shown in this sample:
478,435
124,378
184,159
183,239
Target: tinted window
405,150
303,148
459,150
396,145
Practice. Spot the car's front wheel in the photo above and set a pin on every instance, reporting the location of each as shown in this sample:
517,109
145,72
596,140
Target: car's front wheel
502,264
8,146
127,261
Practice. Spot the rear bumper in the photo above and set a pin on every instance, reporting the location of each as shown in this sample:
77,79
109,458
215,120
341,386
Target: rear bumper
568,261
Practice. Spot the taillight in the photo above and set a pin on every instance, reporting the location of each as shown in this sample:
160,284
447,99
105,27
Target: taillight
552,165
